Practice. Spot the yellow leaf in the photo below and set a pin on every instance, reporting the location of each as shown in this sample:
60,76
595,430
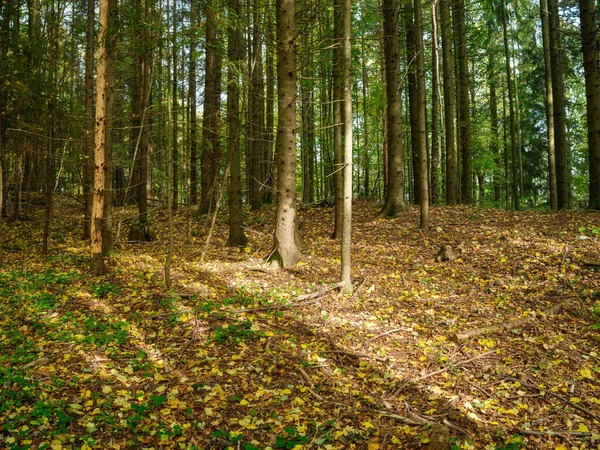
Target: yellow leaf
583,428
561,447
374,446
368,425
244,402
586,373
575,400
106,389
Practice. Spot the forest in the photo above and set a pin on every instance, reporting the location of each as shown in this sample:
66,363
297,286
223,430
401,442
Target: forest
299,224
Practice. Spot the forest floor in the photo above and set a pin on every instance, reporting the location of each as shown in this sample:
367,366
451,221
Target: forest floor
238,356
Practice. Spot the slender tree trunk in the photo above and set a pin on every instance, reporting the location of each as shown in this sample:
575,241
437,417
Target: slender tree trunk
394,199
464,119
492,81
384,115
88,164
511,110
435,99
235,54
365,87
257,113
286,252
590,47
270,108
174,111
411,63
338,175
107,236
451,160
549,103
193,110
423,178
347,210
211,134
558,92
97,261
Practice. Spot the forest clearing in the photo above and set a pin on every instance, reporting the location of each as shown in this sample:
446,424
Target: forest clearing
495,349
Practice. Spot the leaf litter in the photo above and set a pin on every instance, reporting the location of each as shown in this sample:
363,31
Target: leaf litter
498,346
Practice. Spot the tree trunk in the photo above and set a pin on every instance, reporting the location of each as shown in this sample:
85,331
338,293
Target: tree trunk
97,261
235,54
270,109
193,109
492,81
347,210
411,64
511,111
211,135
286,252
558,93
464,119
549,104
107,237
451,160
338,153
423,178
174,111
394,198
435,99
88,163
257,114
590,45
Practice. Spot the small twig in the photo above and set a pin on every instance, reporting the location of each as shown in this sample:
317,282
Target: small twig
354,355
306,377
565,253
395,330
555,433
359,288
557,396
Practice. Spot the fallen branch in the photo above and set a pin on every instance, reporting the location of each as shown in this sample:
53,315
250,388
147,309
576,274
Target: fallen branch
566,401
301,300
354,355
555,433
430,374
504,325
395,330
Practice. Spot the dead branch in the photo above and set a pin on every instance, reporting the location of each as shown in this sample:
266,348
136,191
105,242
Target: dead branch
581,409
301,300
395,330
555,433
508,324
354,355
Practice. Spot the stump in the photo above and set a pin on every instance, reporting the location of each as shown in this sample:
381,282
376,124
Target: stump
141,232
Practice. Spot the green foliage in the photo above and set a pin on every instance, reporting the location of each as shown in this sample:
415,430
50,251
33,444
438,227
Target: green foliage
236,332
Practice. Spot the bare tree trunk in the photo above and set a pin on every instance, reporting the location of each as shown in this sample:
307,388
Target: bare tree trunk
464,119
107,236
411,64
394,199
193,110
347,210
558,92
451,160
590,44
549,103
423,179
338,153
97,261
286,252
235,54
211,133
88,164
435,99
511,110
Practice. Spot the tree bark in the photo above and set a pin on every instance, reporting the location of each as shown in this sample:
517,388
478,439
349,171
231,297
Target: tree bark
193,110
286,252
435,99
88,164
558,92
394,199
423,179
590,47
338,153
211,135
347,210
235,54
511,112
464,119
549,104
97,261
448,73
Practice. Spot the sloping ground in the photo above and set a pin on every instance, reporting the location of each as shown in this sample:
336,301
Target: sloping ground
236,356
